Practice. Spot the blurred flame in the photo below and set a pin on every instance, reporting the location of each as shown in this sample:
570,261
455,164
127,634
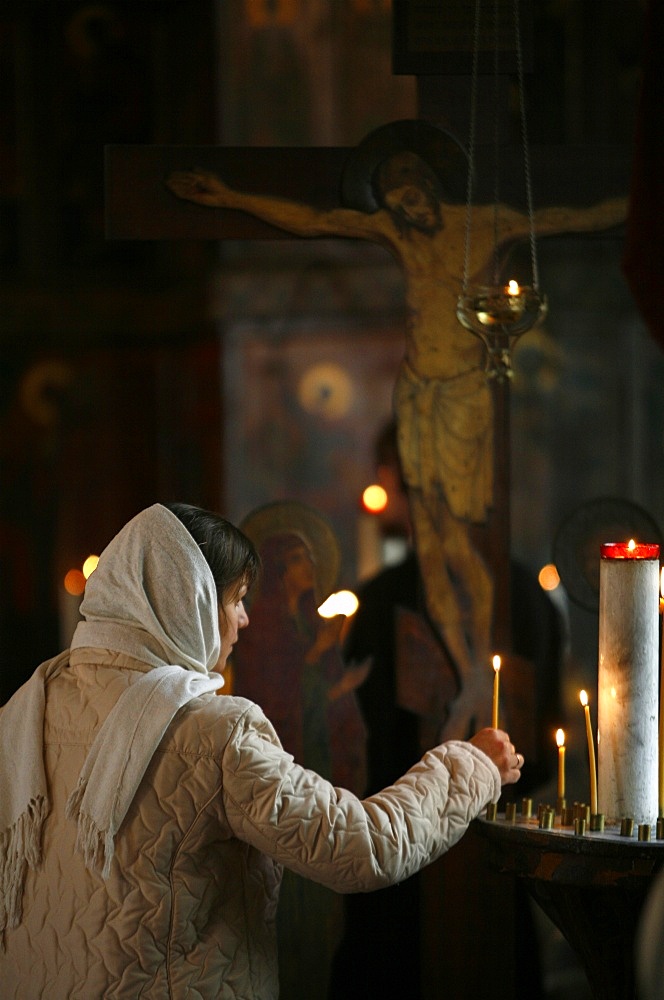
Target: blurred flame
74,582
548,577
344,602
374,499
89,566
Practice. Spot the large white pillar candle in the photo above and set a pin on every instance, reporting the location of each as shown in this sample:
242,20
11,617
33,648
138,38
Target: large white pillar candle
628,682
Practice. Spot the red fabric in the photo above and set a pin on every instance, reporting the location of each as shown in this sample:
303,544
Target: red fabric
643,256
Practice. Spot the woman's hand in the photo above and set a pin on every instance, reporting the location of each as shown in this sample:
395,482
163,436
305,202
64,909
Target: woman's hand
497,745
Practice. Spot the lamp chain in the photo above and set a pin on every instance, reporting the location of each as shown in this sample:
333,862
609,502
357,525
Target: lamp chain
496,143
471,145
526,152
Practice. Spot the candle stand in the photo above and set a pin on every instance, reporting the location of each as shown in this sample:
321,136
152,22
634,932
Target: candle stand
591,885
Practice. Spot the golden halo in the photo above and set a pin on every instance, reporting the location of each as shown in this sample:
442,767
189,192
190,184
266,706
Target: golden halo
436,146
290,516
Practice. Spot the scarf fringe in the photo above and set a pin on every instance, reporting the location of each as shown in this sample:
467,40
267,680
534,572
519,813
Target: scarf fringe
20,847
97,846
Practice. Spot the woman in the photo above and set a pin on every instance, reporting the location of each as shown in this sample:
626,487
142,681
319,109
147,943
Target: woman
144,821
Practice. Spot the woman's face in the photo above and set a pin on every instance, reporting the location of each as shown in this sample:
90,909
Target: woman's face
232,617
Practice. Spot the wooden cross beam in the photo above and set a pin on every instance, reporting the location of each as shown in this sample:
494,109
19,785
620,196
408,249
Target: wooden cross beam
138,206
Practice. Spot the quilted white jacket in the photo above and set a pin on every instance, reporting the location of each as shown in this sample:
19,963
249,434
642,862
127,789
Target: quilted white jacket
188,911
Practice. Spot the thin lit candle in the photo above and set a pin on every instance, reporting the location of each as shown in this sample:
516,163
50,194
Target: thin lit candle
496,691
591,754
560,740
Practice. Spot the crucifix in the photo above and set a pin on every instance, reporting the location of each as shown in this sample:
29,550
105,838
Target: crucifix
452,421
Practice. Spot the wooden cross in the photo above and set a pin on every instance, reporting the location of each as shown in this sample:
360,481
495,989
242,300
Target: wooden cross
275,194
141,206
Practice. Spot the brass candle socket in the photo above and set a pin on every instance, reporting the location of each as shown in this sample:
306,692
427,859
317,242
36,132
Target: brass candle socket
627,826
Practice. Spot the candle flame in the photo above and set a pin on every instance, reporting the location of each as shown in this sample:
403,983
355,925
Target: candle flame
513,287
631,545
496,663
583,698
560,737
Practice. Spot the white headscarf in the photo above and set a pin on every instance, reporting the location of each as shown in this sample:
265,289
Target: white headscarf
152,597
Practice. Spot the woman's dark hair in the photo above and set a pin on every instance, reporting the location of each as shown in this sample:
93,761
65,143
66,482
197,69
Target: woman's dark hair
231,556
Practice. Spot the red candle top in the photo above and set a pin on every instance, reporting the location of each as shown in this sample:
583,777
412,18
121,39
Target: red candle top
629,550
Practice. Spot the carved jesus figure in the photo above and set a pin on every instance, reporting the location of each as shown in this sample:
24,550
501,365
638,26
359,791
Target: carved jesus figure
442,401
